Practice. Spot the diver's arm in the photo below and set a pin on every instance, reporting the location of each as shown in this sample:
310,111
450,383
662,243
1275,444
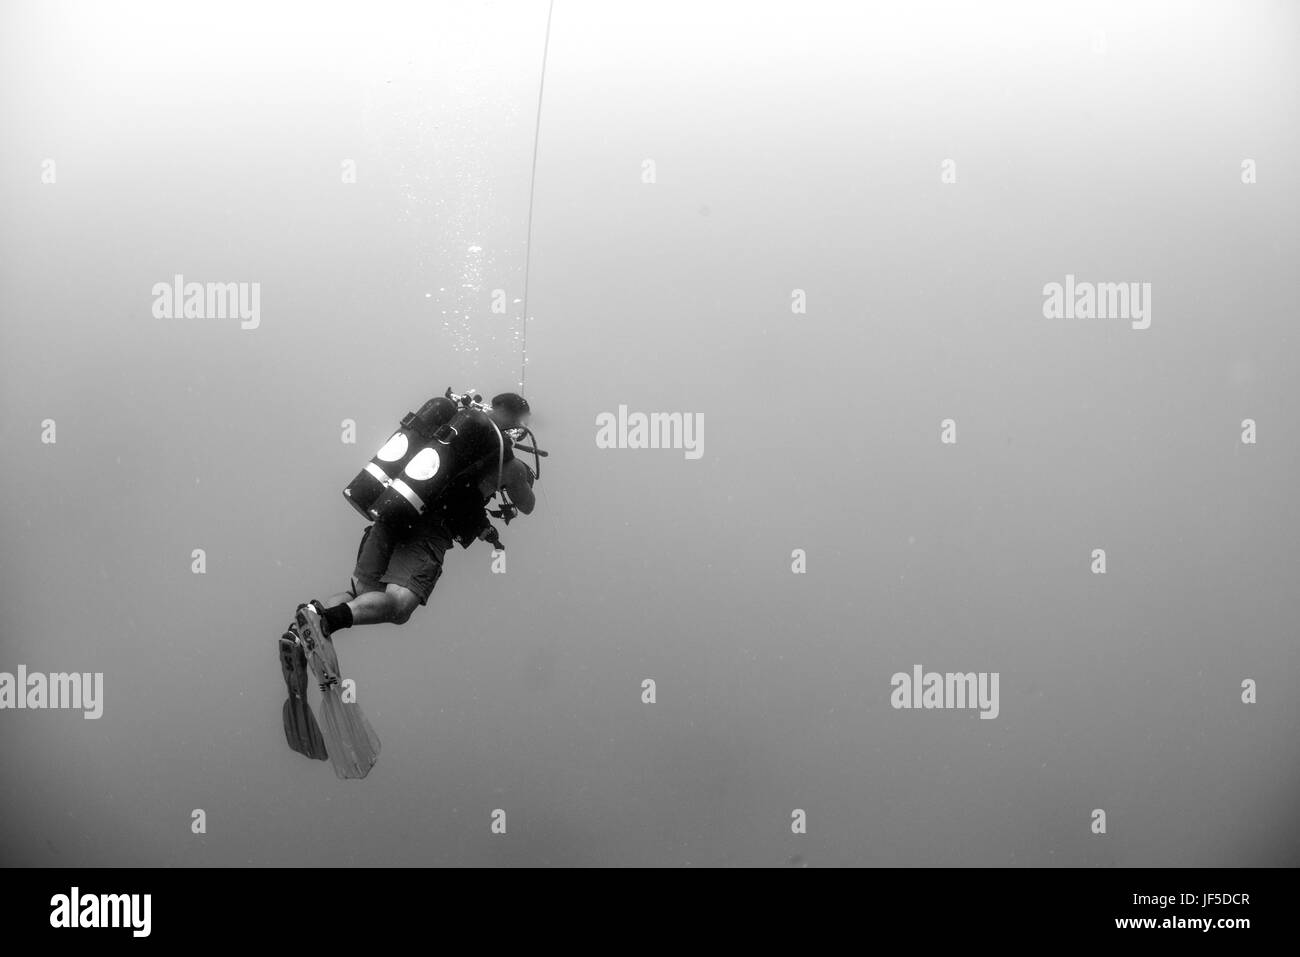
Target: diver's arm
518,482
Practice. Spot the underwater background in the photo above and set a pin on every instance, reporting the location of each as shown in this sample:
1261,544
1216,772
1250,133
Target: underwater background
697,164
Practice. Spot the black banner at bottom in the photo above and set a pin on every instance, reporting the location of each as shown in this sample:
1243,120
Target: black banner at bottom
92,907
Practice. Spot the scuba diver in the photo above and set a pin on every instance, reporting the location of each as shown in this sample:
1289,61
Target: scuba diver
399,563
429,486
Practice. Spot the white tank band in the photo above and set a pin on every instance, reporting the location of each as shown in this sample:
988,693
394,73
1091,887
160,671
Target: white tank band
407,493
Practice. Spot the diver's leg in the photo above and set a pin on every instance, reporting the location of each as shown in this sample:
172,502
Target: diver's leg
395,574
402,602
413,568
354,606
376,607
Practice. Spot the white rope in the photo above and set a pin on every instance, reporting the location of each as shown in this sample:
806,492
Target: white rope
532,188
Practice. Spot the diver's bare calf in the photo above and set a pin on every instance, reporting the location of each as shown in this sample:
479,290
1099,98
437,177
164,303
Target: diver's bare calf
373,606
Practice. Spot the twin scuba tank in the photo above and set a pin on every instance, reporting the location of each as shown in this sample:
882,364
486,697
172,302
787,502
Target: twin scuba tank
450,437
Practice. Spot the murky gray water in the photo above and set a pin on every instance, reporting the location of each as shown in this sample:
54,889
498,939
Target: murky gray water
793,147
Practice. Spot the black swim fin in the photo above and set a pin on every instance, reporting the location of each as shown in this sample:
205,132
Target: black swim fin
301,732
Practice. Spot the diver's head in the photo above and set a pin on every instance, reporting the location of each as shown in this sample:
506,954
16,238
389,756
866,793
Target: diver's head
510,410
